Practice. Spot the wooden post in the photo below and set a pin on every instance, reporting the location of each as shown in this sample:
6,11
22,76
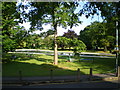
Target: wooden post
90,76
20,75
51,75
78,74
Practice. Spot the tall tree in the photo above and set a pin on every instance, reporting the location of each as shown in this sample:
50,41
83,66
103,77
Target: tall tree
12,33
96,35
110,11
56,14
70,34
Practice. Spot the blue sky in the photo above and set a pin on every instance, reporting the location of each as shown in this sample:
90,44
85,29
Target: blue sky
77,29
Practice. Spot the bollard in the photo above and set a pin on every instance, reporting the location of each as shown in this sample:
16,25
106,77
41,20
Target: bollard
78,74
20,75
51,75
90,76
118,76
90,71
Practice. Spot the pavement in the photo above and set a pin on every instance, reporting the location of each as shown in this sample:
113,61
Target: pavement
57,79
101,81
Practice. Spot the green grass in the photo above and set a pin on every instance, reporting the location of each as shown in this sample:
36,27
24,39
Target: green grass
40,65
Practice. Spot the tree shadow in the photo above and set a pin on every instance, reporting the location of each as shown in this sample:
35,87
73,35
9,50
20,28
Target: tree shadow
31,69
98,64
102,65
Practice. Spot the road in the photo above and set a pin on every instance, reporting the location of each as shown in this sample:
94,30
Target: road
94,84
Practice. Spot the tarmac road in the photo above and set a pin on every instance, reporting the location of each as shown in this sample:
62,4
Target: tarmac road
114,85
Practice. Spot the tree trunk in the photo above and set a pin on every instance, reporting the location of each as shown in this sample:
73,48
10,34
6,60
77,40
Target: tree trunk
105,48
55,46
55,35
62,47
69,48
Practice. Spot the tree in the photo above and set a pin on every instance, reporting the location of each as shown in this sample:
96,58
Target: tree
111,40
85,36
62,42
104,43
12,33
110,11
48,42
7,23
78,46
33,41
96,35
46,34
70,34
54,13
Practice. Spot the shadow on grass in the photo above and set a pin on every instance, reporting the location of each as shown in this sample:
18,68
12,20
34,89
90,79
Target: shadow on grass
9,58
12,69
99,65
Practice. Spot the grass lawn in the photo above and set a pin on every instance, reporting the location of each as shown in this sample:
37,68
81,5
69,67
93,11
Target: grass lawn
40,65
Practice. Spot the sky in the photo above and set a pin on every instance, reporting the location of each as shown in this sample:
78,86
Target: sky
77,29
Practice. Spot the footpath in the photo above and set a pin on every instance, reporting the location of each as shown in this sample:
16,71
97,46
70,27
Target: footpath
57,79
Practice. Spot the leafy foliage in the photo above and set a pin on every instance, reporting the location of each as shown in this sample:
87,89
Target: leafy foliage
109,10
96,35
76,44
46,34
12,34
48,42
54,13
70,34
62,42
33,41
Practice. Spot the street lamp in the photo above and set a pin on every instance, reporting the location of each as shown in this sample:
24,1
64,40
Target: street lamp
117,48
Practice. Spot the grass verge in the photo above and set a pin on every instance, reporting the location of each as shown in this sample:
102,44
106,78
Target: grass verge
41,65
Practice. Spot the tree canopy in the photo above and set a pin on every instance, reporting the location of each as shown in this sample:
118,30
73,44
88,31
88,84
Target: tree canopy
109,10
12,33
58,14
54,13
97,35
70,34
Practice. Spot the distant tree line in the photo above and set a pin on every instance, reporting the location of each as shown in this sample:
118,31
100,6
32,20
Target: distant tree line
38,41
